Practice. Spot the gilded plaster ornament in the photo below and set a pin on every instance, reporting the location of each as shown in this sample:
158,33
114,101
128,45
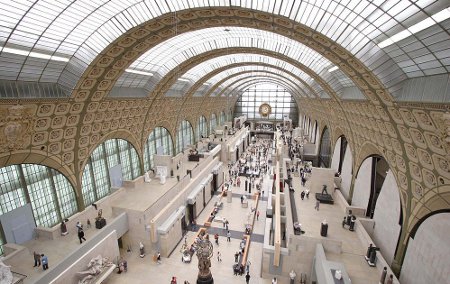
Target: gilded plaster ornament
16,127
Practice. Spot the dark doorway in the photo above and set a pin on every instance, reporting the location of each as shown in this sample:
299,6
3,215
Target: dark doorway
120,243
237,154
184,227
342,152
214,183
379,171
204,198
192,211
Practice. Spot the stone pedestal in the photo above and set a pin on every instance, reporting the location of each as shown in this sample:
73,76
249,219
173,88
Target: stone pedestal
205,280
229,196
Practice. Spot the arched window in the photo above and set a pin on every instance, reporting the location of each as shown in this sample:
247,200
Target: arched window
212,123
280,100
95,180
159,139
202,127
222,118
185,136
325,149
51,195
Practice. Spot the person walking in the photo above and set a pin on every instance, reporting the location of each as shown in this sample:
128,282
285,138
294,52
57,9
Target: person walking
292,276
247,266
81,234
216,238
158,258
383,275
37,259
317,205
228,236
257,215
219,256
247,278
390,279
303,180
44,260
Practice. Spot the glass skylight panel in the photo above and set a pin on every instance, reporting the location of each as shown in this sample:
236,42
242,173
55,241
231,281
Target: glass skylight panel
406,13
86,27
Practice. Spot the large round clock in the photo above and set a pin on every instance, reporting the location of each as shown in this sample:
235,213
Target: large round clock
265,109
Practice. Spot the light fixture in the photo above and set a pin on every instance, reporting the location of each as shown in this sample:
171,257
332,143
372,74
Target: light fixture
139,72
206,84
334,68
420,26
183,80
33,54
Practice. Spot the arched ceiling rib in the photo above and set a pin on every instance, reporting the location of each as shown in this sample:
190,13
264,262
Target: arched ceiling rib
238,87
254,68
80,30
208,66
199,88
260,78
166,83
169,54
230,80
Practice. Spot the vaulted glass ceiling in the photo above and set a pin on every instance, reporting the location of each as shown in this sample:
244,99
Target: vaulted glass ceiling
54,41
209,66
258,74
168,55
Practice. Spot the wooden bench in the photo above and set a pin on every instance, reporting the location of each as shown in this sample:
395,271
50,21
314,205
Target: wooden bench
210,217
255,199
246,249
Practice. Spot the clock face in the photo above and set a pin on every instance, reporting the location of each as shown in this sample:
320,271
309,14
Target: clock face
265,109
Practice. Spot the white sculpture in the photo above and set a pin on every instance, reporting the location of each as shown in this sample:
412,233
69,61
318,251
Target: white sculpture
161,171
6,276
147,178
95,267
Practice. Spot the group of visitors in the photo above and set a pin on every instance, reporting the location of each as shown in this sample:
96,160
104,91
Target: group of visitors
40,258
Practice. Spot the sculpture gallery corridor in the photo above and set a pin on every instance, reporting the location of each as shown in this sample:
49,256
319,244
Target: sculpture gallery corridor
225,141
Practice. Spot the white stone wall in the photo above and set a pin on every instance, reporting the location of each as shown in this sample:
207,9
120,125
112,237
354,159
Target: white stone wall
346,173
336,154
386,217
427,258
361,191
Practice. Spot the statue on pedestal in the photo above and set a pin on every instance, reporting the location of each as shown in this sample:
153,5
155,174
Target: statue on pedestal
204,254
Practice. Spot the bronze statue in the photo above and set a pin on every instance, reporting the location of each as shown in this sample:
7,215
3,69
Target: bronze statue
204,254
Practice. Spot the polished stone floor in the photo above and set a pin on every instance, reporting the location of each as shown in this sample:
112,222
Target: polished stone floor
145,270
